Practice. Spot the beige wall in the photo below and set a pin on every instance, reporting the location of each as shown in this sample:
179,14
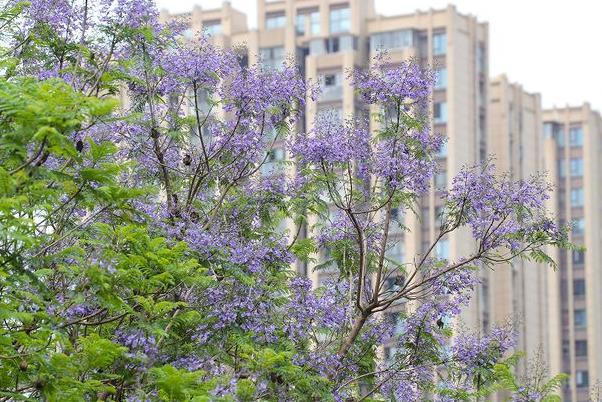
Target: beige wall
515,138
567,301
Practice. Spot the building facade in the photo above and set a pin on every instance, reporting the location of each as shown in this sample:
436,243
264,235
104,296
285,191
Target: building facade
576,133
520,291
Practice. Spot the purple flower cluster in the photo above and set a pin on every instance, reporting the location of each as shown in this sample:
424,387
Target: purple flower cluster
406,162
474,351
141,345
331,141
404,84
501,212
199,65
256,92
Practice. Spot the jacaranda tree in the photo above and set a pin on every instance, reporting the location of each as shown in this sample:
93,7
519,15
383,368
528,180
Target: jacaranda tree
143,255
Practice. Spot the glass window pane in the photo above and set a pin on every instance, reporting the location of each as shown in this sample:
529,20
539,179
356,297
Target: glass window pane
440,112
581,348
442,249
212,28
439,44
441,78
274,21
272,58
300,24
578,257
579,287
577,197
582,378
340,20
396,253
576,167
580,319
576,136
315,23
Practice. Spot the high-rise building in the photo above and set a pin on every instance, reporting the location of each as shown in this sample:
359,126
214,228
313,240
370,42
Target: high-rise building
577,135
519,291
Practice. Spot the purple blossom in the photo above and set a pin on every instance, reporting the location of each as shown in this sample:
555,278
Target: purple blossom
404,84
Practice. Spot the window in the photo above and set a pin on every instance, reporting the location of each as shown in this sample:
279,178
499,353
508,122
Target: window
397,220
580,319
581,348
300,24
439,44
394,283
548,130
582,378
303,16
272,57
314,20
576,136
442,152
440,112
212,28
560,136
332,88
578,257
577,197
272,163
397,214
579,287
576,167
439,215
562,168
481,58
442,250
273,21
396,252
441,78
340,20
578,226
332,80
392,40
333,45
341,43
441,180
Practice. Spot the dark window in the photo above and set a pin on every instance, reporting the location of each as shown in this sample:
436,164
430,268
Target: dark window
579,287
340,20
580,318
439,44
576,136
277,20
578,257
582,378
581,348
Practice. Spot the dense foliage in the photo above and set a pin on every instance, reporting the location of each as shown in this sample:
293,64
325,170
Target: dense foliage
147,237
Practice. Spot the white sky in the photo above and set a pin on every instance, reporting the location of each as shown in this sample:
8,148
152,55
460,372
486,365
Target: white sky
549,46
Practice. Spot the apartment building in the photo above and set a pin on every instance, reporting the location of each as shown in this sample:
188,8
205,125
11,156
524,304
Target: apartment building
520,291
577,135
